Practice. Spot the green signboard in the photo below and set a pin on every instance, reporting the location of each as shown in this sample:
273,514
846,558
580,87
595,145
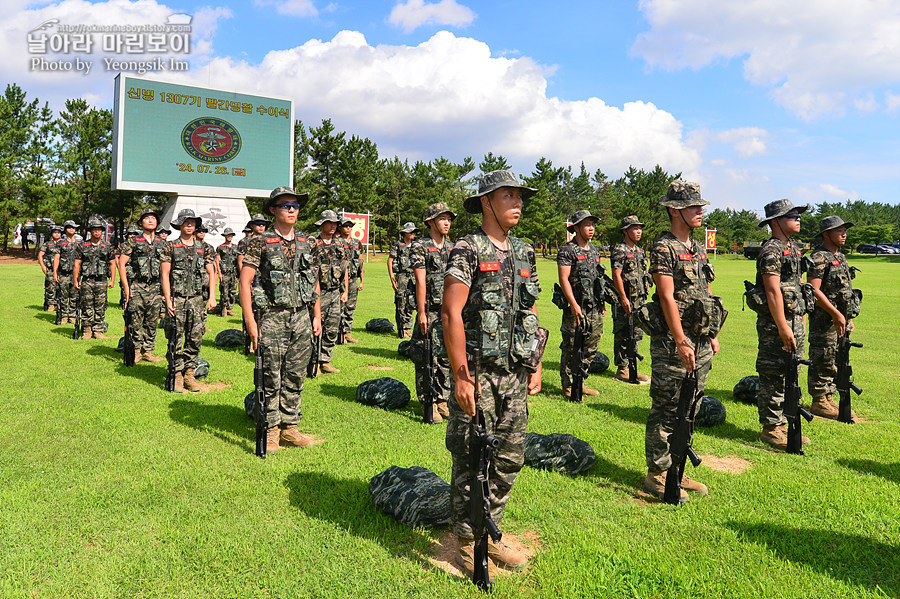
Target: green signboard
199,141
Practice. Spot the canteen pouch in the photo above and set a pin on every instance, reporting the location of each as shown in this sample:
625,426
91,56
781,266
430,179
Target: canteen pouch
537,349
521,346
650,318
755,298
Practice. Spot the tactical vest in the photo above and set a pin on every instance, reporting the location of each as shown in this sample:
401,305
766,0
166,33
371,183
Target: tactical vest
287,285
144,260
188,267
226,259
401,262
47,248
436,258
583,276
67,251
797,296
95,260
355,265
837,285
634,273
503,334
331,264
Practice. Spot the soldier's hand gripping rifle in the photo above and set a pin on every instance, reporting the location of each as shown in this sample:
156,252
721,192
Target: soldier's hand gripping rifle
172,336
793,411
312,367
260,403
844,380
128,348
631,351
79,325
481,452
579,371
680,441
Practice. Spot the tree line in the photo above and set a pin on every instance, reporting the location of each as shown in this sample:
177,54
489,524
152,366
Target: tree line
58,166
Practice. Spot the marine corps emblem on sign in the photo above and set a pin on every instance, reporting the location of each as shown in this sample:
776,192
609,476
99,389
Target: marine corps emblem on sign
211,140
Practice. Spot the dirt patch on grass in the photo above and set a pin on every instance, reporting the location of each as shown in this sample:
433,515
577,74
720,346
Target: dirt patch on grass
730,464
17,258
442,552
376,367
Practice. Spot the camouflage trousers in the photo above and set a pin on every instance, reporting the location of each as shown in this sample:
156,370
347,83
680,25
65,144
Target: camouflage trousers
405,303
621,337
667,373
330,302
286,343
94,303
227,286
440,367
595,321
823,342
349,306
770,366
146,302
67,298
49,290
505,405
190,313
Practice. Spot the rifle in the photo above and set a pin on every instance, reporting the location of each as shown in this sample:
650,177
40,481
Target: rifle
128,317
340,335
260,403
172,336
428,404
246,338
312,367
481,451
631,350
844,381
793,411
579,372
680,441
79,326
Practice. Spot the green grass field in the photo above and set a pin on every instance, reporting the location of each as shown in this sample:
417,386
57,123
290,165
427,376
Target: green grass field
111,487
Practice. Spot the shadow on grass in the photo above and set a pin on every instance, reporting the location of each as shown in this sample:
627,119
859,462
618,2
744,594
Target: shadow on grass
413,409
379,352
46,316
150,373
345,392
229,423
854,559
346,504
890,472
617,477
635,414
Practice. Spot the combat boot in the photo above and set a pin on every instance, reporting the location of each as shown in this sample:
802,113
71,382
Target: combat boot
191,383
655,484
291,435
442,409
272,436
643,379
138,356
327,368
179,383
775,435
435,415
86,334
823,409
407,333
349,339
505,556
689,484
830,399
585,390
622,374
465,559
99,335
51,308
149,356
567,392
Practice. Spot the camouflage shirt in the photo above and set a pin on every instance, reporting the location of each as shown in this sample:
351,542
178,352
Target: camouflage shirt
833,270
585,268
330,259
687,265
424,253
227,258
95,259
463,265
49,248
633,264
354,253
69,252
241,247
143,257
400,254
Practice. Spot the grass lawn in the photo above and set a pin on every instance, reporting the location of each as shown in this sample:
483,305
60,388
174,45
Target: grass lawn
111,487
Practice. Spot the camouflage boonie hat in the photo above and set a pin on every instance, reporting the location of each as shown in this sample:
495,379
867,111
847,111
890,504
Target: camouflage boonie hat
246,230
147,212
201,229
228,231
437,209
832,222
409,227
302,198
258,219
580,216
682,194
132,230
70,223
491,181
631,221
779,208
185,214
95,223
328,216
346,221
162,230
55,227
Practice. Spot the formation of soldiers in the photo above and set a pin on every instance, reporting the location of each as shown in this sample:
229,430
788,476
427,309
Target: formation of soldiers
473,304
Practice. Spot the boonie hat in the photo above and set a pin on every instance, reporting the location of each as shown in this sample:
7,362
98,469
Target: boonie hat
185,214
832,222
631,221
227,232
327,216
580,216
779,208
437,209
409,227
682,194
147,212
95,223
70,223
55,227
495,180
302,198
258,219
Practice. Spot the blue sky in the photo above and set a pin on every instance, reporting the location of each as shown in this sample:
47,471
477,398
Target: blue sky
756,100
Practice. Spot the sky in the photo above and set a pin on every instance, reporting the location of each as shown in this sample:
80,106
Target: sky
756,100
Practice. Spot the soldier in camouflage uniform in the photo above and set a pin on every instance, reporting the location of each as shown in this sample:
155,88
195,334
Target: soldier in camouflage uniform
63,268
402,280
779,326
139,270
488,318
226,268
836,306
45,259
357,277
255,226
131,233
209,280
578,266
282,260
183,263
632,283
94,274
428,259
682,274
331,261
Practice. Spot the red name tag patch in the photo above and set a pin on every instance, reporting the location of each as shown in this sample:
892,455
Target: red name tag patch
524,273
787,252
489,266
272,240
687,257
580,257
433,249
629,255
835,262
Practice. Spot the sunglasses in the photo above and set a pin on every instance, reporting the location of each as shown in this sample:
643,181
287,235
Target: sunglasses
791,216
288,206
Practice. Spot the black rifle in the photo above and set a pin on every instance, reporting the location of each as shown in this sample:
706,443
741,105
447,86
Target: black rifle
481,451
312,367
631,351
844,381
128,317
79,326
680,446
428,403
579,372
260,404
340,335
172,336
793,411
246,338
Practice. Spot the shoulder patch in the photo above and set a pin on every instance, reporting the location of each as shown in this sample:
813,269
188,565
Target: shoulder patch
489,266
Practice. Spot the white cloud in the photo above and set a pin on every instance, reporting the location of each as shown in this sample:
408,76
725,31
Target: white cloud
412,14
866,103
817,56
747,141
295,8
834,190
892,101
